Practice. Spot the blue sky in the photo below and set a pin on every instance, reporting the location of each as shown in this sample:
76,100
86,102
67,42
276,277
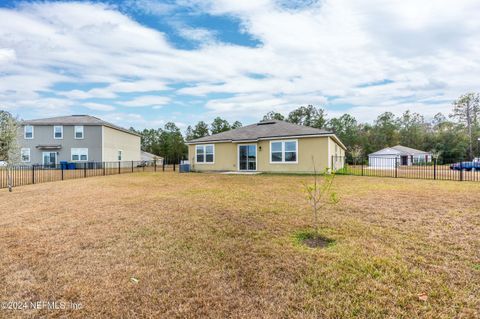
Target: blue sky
142,63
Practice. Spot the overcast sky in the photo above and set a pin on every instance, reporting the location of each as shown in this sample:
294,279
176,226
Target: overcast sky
142,63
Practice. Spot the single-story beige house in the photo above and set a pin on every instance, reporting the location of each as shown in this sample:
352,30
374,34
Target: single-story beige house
268,146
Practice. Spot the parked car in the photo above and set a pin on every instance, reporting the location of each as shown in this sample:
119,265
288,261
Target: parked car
467,166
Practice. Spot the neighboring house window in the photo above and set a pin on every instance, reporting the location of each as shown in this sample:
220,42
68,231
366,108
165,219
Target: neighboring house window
58,132
205,153
283,152
79,154
78,132
28,132
120,155
25,155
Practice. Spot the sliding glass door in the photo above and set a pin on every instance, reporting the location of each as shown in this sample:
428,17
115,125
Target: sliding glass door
247,157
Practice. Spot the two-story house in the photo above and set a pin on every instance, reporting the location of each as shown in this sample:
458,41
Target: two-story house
76,138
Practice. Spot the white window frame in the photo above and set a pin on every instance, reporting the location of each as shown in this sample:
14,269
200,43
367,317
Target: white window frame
25,132
204,146
29,155
120,155
283,151
75,132
78,151
61,131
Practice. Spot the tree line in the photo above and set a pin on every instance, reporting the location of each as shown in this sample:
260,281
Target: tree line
452,137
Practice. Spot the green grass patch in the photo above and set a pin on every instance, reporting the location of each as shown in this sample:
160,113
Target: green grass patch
310,238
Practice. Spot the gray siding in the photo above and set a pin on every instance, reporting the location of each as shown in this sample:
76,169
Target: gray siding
43,135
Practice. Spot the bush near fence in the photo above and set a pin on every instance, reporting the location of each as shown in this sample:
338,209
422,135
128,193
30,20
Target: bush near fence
36,174
391,167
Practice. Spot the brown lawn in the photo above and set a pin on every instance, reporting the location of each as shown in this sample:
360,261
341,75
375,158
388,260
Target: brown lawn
195,245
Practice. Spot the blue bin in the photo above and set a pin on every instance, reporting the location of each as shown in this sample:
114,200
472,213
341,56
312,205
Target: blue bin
184,168
63,165
72,166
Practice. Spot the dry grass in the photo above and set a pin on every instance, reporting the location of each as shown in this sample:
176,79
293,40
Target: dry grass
221,246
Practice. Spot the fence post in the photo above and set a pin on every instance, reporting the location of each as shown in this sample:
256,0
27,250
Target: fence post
132,166
174,166
461,171
84,170
163,165
61,165
103,165
33,174
362,166
119,171
434,168
154,165
396,167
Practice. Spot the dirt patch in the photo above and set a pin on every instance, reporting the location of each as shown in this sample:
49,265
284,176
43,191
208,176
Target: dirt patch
318,242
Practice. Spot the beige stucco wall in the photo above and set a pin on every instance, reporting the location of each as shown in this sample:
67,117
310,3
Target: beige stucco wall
225,158
337,155
114,140
320,149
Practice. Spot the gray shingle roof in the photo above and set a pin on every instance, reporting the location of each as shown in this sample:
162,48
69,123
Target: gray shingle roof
408,150
400,150
262,130
76,120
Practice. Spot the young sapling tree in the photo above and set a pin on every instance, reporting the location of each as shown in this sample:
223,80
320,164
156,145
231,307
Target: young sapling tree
320,194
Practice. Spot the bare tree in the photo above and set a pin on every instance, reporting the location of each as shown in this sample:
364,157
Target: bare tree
467,110
9,150
356,153
320,193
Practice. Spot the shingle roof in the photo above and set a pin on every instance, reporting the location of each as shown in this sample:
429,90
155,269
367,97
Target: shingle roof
263,130
149,156
408,150
76,120
400,150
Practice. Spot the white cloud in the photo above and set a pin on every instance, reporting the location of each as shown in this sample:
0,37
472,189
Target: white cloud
98,106
148,100
310,52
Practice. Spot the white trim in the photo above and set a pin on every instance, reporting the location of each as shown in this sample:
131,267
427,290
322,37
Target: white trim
25,132
75,132
283,151
103,143
205,154
61,130
43,157
29,154
256,158
79,154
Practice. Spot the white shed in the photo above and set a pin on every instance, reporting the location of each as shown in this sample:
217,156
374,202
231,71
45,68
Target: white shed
391,157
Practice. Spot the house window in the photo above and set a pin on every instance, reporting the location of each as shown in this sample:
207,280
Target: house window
79,132
205,153
58,132
120,155
283,152
28,132
25,155
79,154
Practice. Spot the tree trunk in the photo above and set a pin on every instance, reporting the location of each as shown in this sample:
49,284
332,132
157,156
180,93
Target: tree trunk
9,180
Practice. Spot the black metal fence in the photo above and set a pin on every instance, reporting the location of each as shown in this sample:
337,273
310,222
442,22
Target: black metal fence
396,167
36,174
